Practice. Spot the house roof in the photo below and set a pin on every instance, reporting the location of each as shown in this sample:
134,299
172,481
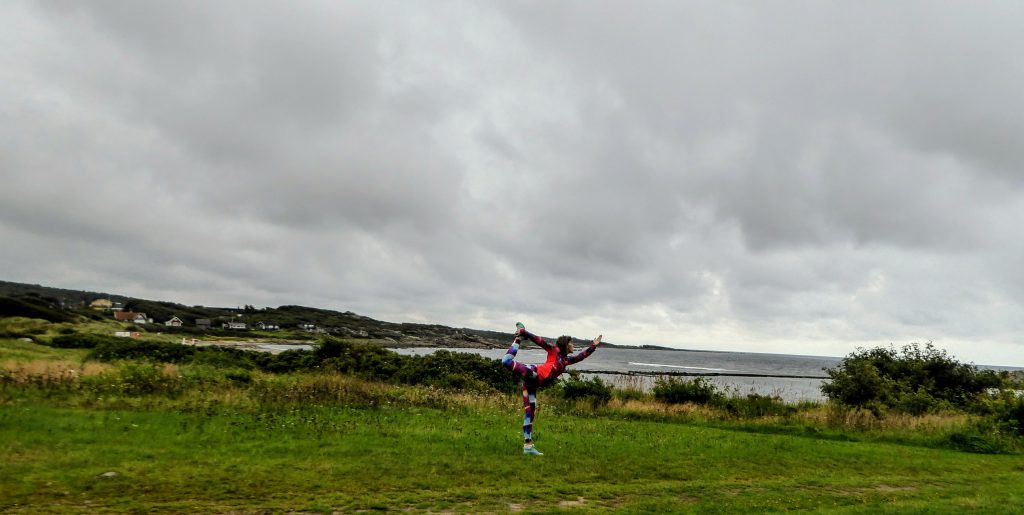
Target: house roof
124,316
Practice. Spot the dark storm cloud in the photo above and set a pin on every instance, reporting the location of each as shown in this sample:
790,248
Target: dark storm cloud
735,175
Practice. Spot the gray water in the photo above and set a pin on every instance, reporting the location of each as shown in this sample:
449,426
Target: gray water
651,362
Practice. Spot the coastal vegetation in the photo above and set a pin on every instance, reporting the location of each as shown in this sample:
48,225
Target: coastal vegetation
95,423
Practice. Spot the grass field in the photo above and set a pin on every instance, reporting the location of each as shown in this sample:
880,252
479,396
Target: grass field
321,459
329,443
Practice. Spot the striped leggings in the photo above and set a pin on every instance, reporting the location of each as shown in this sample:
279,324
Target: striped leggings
530,385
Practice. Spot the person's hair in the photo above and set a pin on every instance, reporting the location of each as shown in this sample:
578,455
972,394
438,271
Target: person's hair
563,343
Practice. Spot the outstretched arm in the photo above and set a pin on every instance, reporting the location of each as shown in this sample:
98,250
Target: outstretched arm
582,355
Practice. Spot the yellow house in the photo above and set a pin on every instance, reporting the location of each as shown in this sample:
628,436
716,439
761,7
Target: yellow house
102,304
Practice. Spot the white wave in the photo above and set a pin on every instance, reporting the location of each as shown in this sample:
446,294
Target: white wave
681,366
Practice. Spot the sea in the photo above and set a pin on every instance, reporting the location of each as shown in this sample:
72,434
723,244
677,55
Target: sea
794,378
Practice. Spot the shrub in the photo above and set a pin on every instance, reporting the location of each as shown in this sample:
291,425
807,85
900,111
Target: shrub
1006,410
226,357
135,379
365,360
915,379
574,387
83,341
458,370
919,402
289,361
129,348
1011,415
674,390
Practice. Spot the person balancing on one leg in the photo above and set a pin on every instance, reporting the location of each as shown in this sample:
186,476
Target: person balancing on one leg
535,376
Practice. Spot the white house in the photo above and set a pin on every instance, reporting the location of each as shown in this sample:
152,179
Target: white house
173,322
234,325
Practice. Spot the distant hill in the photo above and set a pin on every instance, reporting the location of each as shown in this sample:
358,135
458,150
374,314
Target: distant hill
58,305
65,299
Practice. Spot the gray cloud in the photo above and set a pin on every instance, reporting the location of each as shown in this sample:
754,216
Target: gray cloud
791,178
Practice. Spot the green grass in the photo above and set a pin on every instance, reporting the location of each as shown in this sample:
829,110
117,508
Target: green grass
21,351
323,459
324,443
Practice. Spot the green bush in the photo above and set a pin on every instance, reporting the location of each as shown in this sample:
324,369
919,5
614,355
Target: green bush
365,360
134,379
289,361
130,348
1006,410
919,402
1011,415
459,370
594,390
227,357
83,341
916,379
443,369
674,390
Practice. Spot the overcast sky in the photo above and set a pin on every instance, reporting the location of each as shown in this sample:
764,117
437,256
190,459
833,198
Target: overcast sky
797,177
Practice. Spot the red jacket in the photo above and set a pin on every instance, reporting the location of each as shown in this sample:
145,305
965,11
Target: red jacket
556,362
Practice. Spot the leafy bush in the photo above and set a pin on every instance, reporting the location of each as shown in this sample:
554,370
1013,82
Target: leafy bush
915,379
364,360
919,402
228,357
1006,410
129,348
574,387
289,361
459,370
83,341
135,379
444,369
674,390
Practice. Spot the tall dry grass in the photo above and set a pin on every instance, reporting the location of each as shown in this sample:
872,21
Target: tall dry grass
49,373
335,388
